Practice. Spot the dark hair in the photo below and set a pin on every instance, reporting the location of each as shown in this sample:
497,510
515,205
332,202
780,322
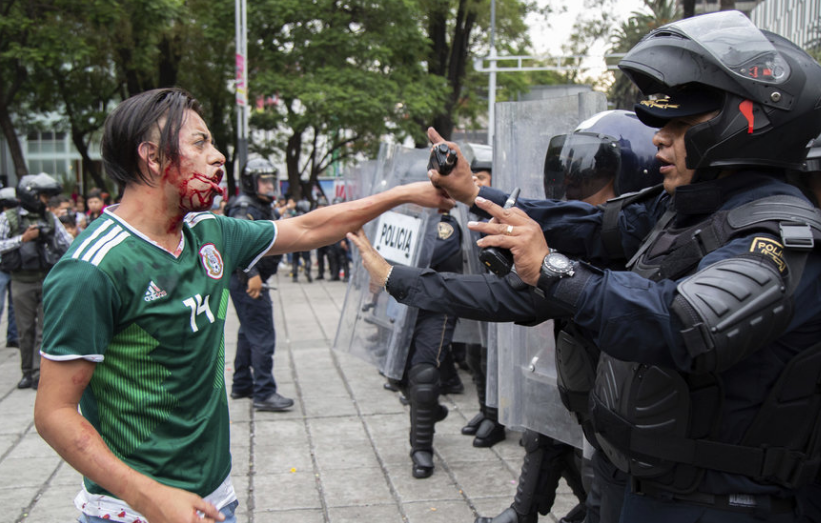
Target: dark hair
139,119
68,219
94,193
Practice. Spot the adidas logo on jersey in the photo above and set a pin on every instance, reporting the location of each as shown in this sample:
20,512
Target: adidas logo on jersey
154,292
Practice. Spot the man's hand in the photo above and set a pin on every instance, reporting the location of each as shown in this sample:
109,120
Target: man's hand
513,229
254,286
32,233
426,195
373,262
459,183
172,505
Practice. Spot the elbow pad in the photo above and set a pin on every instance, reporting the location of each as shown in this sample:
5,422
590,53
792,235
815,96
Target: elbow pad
729,310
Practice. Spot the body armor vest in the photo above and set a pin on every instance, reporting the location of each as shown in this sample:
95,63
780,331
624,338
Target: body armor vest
32,260
660,425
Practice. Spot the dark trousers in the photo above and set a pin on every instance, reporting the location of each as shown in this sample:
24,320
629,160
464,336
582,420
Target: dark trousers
329,252
607,491
256,340
28,312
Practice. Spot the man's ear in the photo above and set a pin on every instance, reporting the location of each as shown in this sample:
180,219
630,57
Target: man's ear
149,156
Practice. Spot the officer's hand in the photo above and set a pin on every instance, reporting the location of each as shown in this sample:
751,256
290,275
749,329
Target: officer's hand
254,286
165,504
373,262
513,229
459,183
32,233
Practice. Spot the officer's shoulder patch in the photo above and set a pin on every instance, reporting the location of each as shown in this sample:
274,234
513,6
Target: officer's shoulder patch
771,249
445,230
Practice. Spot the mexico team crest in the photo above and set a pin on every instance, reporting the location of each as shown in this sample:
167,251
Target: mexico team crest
211,260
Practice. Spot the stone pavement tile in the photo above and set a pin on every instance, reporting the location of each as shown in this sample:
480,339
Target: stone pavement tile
240,460
493,479
21,420
493,506
323,406
15,500
289,516
240,434
438,512
440,486
297,490
56,505
240,410
31,446
7,441
275,431
67,476
360,486
281,458
27,472
457,447
345,456
380,404
347,429
369,514
243,495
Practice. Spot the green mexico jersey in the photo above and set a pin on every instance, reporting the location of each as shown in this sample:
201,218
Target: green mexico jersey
155,325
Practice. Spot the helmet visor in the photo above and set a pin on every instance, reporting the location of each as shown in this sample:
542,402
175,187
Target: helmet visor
737,44
579,165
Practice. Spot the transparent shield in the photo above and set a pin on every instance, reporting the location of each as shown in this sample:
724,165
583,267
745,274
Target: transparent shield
468,331
374,326
528,396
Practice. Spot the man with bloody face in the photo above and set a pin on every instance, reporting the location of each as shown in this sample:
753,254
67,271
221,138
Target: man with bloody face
143,357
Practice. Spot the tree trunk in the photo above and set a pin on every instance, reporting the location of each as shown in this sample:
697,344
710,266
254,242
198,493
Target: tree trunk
292,155
688,8
726,5
88,164
20,168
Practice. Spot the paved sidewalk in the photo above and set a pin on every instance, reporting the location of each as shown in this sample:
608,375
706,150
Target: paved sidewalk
340,455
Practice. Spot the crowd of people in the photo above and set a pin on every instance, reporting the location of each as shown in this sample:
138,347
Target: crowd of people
674,249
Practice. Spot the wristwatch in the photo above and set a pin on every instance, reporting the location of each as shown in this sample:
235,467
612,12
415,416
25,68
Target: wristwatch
555,267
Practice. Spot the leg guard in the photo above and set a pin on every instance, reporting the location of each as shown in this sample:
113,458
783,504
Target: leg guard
425,412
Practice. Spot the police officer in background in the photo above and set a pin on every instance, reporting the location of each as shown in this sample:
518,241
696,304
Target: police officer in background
484,426
256,338
32,239
706,391
430,346
302,206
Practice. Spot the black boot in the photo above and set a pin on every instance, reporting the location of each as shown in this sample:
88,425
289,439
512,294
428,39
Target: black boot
490,431
473,425
425,412
508,515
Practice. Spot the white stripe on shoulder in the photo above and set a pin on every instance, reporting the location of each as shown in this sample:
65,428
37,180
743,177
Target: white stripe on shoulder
94,236
96,358
101,243
108,246
194,218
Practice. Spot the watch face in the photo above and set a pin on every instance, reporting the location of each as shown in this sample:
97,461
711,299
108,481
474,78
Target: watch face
558,262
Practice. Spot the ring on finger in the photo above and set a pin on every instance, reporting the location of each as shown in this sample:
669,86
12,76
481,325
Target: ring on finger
509,230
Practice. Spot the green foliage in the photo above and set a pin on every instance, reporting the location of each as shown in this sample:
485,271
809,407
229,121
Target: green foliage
622,92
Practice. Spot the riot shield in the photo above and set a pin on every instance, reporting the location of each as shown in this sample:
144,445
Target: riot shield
527,389
374,326
468,331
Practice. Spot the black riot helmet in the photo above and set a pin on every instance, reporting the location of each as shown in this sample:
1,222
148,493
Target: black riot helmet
254,170
766,91
31,186
610,146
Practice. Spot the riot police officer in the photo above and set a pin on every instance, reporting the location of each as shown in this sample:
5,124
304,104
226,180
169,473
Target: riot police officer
32,239
710,343
256,338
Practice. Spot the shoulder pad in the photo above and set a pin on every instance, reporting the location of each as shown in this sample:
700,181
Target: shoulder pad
799,222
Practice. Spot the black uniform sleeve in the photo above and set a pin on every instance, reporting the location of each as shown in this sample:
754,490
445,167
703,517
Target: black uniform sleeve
484,297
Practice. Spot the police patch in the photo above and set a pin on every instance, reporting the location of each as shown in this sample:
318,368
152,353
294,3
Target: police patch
771,249
445,230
